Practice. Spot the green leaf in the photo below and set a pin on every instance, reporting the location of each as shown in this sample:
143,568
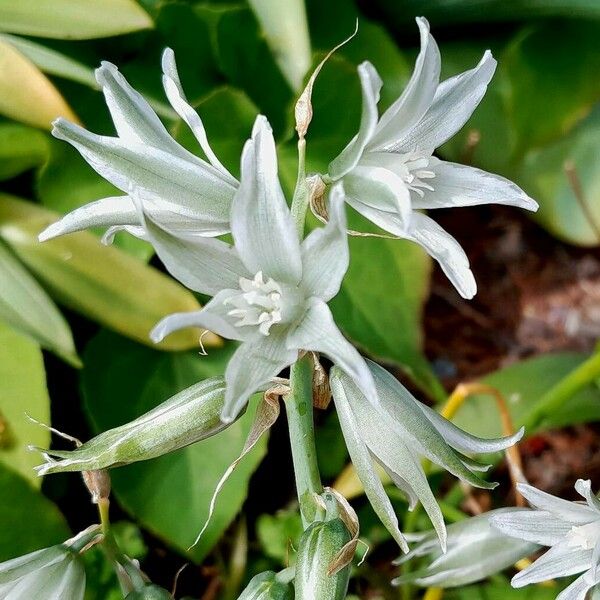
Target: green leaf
502,591
65,19
27,307
169,495
51,61
28,520
21,149
26,94
22,392
100,282
522,384
279,534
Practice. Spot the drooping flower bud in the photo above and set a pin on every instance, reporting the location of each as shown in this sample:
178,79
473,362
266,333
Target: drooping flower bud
188,417
269,586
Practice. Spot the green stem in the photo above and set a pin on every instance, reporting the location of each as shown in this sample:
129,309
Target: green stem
300,199
566,388
299,410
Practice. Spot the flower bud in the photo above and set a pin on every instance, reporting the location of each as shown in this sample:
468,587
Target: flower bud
268,586
319,546
189,416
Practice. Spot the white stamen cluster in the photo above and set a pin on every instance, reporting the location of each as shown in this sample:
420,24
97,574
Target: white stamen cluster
584,536
259,303
412,168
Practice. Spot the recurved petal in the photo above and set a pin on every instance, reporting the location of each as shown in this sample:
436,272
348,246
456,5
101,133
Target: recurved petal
538,526
459,185
253,365
404,114
446,250
363,463
261,222
205,265
578,589
559,561
572,512
197,190
318,332
454,102
371,86
108,212
214,317
176,96
584,489
325,254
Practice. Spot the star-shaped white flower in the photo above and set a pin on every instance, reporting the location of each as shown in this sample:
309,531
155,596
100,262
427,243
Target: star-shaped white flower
269,290
397,433
570,529
389,172
186,195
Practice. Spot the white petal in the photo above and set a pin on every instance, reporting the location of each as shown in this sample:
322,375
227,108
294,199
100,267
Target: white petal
71,584
584,488
205,265
538,526
196,190
572,512
371,86
176,96
459,185
214,317
454,102
558,561
108,212
577,590
325,254
379,188
262,225
402,116
446,250
134,119
253,365
361,459
21,565
318,332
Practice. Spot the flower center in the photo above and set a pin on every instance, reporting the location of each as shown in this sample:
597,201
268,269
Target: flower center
258,303
584,536
412,168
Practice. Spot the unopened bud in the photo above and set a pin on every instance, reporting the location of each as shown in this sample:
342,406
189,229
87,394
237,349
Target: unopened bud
98,484
188,417
268,586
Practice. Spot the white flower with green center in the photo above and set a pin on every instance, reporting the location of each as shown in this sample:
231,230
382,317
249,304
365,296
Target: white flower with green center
390,173
270,291
186,195
396,434
570,529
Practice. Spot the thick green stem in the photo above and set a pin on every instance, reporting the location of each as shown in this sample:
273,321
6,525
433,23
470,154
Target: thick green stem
299,410
553,399
300,199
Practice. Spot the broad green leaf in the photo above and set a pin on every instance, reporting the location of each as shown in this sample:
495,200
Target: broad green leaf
28,520
21,148
169,495
67,182
22,392
52,62
26,94
72,20
286,31
279,534
100,282
522,385
26,307
564,178
228,115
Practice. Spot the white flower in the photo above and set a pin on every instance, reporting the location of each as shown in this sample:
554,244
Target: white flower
389,172
397,433
475,551
55,572
183,193
570,529
269,290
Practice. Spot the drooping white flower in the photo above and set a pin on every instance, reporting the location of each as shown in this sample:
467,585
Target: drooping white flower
269,290
184,194
571,530
397,433
55,572
389,172
475,551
